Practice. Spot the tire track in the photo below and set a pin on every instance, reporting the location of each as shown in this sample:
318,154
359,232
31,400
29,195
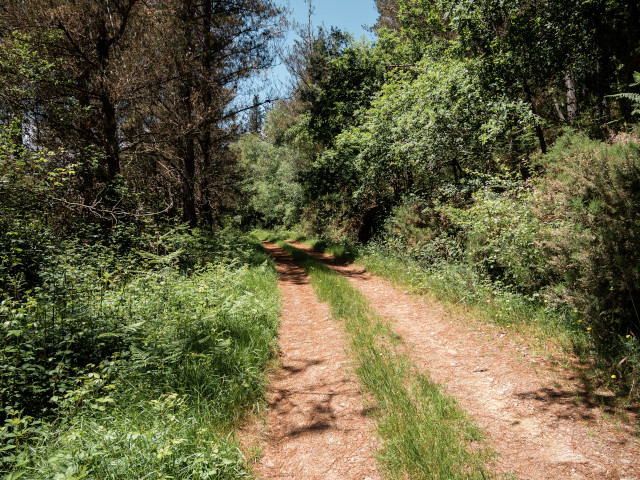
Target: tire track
317,426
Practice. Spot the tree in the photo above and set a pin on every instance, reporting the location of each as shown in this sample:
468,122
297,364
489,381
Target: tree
90,41
388,11
209,48
583,49
155,85
428,131
273,195
413,27
340,78
255,116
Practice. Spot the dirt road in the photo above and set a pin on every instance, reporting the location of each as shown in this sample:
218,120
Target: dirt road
317,425
542,422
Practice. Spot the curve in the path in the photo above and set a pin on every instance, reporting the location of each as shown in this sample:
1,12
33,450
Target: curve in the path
540,428
317,426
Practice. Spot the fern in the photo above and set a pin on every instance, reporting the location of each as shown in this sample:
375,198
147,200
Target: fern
634,97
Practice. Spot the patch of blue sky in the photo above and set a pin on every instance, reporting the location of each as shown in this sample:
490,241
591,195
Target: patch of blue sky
353,16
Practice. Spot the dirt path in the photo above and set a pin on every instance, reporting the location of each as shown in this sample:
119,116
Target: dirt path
317,427
543,423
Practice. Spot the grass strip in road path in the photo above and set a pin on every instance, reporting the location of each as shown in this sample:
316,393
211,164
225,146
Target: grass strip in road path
425,435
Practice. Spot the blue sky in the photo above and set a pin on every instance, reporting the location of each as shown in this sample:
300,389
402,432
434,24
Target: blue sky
346,14
349,15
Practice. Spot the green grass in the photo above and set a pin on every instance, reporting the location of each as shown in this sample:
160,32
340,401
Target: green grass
178,360
291,235
425,435
458,285
343,252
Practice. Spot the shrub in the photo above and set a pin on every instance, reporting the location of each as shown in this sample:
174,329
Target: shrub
591,199
421,230
500,231
119,367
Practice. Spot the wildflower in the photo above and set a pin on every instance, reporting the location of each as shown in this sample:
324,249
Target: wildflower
613,376
628,336
588,329
580,321
575,310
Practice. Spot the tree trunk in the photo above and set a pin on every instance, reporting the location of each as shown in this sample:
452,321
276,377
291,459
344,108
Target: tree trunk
189,214
558,109
539,132
457,170
572,101
206,142
110,138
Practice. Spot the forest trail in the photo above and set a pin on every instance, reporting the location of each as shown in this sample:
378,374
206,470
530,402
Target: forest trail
542,422
317,426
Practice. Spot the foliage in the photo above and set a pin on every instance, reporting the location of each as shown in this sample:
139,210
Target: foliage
579,50
341,76
30,182
24,69
591,196
412,28
501,233
125,366
421,231
142,98
270,182
450,90
160,438
634,97
419,134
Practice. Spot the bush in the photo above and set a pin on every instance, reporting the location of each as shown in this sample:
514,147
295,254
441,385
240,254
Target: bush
271,191
420,230
500,231
591,199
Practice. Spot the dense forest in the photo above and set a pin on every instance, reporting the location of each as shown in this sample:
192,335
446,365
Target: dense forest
491,146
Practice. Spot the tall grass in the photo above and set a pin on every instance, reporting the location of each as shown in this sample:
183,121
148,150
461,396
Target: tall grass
425,435
147,371
460,286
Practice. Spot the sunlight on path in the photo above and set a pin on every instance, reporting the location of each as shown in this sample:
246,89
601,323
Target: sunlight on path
317,425
540,431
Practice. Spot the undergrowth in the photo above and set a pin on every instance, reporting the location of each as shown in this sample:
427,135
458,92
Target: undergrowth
137,367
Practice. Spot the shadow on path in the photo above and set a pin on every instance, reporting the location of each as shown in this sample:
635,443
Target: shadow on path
318,427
